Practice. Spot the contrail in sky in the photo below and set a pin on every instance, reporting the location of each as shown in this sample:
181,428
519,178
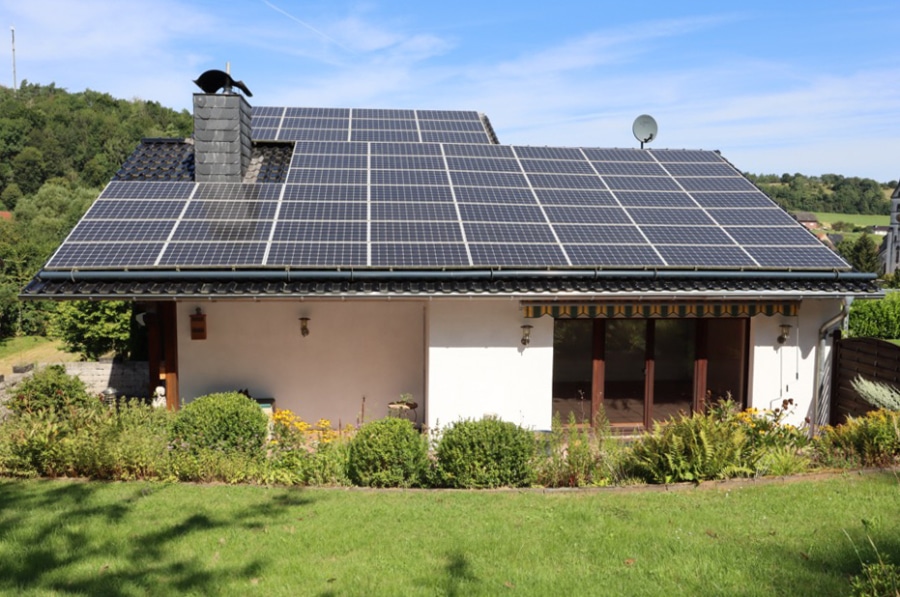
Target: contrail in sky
307,25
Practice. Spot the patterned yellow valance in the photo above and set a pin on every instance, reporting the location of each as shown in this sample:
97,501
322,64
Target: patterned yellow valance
676,310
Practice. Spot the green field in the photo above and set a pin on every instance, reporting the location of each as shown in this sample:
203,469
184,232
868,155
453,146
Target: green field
802,537
855,219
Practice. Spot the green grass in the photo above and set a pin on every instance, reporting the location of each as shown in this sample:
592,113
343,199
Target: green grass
855,219
78,538
15,345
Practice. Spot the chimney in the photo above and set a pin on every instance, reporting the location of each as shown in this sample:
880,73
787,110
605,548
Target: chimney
222,145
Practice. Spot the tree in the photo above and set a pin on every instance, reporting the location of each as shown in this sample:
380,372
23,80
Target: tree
29,170
93,328
862,253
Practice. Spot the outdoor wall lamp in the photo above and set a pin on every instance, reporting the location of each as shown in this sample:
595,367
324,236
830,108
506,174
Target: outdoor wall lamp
526,334
198,325
785,333
304,326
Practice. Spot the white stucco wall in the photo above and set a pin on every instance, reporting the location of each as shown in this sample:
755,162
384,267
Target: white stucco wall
478,366
362,348
781,371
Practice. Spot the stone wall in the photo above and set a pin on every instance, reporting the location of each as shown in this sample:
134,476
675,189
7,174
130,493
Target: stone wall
128,378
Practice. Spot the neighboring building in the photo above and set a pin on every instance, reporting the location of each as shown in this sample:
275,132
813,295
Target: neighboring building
807,219
889,253
335,259
6,215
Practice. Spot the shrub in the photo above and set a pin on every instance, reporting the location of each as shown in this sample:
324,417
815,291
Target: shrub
696,448
230,422
485,453
876,393
51,388
305,454
575,456
877,579
872,440
876,318
388,453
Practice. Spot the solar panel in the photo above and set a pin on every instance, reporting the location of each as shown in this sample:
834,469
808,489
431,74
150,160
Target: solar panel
557,166
482,212
508,233
483,164
410,211
565,181
800,257
134,209
213,254
774,236
598,234
121,230
427,189
408,231
717,257
222,230
587,215
592,197
407,162
494,195
517,255
383,124
322,210
654,199
419,254
447,115
686,235
434,194
550,153
628,169
488,179
669,217
315,192
147,190
320,231
614,255
94,255
317,254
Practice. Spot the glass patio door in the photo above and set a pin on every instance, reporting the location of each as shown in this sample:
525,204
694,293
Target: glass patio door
625,371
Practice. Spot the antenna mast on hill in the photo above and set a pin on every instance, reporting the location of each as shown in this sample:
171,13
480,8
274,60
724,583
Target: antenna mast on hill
15,84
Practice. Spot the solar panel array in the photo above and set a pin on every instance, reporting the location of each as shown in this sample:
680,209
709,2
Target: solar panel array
348,204
354,124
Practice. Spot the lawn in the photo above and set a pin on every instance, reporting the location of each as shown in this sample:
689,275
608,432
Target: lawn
855,219
741,538
31,349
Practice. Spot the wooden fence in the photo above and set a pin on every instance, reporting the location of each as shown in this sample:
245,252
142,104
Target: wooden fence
869,358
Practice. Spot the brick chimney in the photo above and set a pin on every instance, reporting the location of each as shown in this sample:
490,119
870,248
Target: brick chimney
222,145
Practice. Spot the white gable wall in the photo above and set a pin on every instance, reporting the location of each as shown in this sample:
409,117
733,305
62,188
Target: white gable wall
477,365
781,371
354,349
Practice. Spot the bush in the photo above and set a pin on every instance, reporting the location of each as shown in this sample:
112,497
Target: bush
230,422
881,395
699,447
876,318
388,453
878,579
51,388
485,453
872,440
575,456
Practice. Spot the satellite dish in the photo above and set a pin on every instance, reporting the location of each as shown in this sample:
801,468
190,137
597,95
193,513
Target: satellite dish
644,129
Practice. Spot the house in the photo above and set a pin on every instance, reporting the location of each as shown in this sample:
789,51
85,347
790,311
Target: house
807,219
333,259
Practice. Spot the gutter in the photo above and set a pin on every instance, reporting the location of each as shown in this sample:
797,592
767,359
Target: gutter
387,275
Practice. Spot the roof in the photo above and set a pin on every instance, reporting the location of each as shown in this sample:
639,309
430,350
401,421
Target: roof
353,202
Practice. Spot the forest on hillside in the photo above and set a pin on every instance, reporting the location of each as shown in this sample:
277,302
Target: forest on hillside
59,149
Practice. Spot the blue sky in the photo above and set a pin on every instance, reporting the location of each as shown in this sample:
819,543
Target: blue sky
784,86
